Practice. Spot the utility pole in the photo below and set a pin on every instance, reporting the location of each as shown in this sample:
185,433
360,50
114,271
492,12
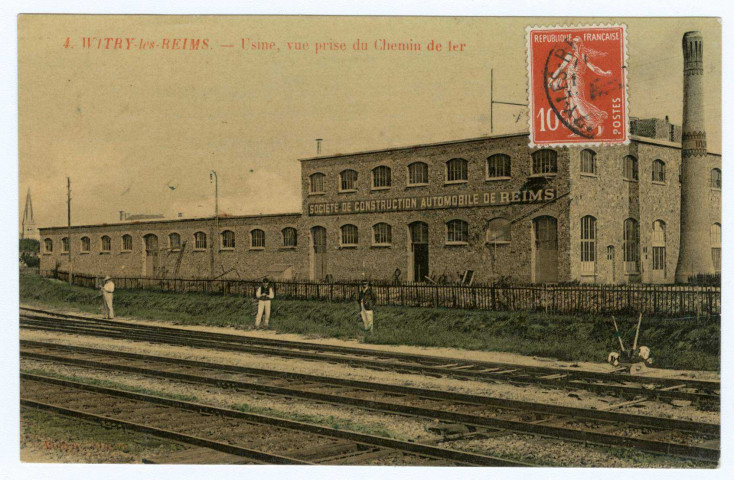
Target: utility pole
68,224
215,236
492,101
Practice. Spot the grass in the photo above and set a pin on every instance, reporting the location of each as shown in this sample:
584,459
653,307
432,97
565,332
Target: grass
81,441
675,343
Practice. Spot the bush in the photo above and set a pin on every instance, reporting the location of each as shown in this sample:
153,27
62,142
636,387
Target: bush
30,260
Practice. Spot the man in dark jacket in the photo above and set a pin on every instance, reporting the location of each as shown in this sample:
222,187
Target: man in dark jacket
265,293
366,306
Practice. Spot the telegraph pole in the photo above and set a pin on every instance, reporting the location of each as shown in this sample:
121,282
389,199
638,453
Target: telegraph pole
215,237
68,224
492,101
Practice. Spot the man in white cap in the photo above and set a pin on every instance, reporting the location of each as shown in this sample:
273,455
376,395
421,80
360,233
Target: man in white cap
108,289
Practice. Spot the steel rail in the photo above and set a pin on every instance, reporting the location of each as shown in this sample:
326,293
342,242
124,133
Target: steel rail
503,376
166,434
651,446
524,427
700,384
355,437
493,402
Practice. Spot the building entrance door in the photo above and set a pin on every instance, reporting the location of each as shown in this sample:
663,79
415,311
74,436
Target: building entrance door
419,246
151,255
318,234
546,249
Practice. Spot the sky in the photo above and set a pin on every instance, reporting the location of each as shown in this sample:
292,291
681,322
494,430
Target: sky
140,130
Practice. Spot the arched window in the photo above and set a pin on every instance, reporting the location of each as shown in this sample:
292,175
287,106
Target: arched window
348,180
457,232
631,246
499,166
629,168
290,237
716,246
200,240
716,178
588,162
381,177
174,241
350,235
106,243
418,173
658,171
457,170
86,244
316,183
65,245
588,245
544,162
227,237
498,231
257,238
381,234
658,245
127,243
48,245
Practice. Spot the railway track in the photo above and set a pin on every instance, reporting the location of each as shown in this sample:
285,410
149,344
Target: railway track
705,394
686,439
259,438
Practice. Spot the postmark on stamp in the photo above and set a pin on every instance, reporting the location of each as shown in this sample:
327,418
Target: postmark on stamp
577,85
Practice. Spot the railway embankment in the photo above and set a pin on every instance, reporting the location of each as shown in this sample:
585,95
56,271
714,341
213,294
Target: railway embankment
678,343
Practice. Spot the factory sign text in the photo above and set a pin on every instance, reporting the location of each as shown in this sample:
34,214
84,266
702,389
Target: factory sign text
432,202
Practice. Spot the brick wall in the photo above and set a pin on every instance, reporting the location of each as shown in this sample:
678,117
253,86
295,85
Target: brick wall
489,261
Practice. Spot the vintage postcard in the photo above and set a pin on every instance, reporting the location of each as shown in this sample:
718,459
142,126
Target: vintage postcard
370,241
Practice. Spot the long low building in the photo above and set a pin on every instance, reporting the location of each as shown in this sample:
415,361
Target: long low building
489,205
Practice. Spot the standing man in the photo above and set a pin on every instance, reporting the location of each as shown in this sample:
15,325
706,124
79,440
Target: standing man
264,295
366,306
107,289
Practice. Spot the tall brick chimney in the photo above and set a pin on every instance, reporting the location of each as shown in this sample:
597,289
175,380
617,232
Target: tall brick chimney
694,256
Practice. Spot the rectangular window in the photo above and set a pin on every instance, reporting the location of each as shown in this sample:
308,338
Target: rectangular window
716,257
658,258
417,174
545,162
381,177
457,231
498,166
631,246
658,171
588,245
257,239
456,170
317,183
349,180
588,162
228,239
349,235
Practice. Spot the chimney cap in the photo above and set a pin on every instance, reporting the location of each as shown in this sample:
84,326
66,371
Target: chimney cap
692,35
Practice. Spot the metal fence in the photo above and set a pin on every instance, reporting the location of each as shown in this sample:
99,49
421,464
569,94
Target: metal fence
659,300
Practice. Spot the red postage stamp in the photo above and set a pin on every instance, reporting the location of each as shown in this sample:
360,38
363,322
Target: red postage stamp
577,85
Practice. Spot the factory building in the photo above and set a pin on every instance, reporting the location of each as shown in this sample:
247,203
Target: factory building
489,205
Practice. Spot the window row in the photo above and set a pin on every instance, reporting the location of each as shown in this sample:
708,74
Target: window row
498,166
289,236
457,233
631,246
630,169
